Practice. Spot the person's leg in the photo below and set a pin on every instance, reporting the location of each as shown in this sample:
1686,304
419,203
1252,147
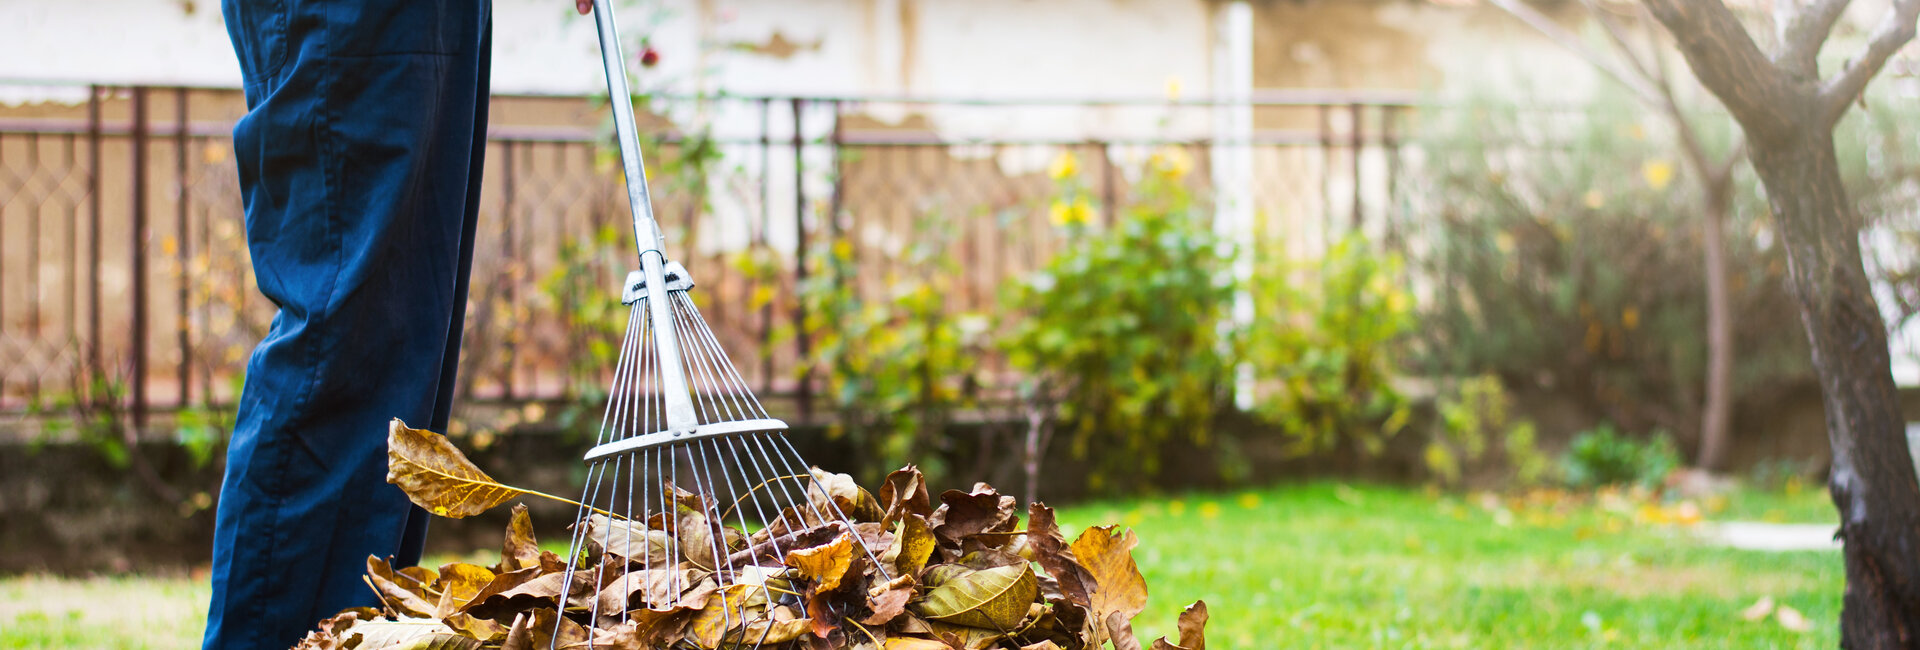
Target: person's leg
360,164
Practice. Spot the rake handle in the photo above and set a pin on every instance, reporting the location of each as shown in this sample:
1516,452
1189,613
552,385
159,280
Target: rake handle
646,231
647,237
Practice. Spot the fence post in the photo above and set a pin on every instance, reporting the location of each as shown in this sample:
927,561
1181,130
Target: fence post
509,350
180,243
802,343
1358,145
93,364
1325,112
761,242
138,267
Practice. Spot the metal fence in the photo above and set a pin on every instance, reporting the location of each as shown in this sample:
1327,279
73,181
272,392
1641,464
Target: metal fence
124,275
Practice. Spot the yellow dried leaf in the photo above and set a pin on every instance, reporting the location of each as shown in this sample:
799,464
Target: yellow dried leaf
826,564
436,476
993,599
1118,584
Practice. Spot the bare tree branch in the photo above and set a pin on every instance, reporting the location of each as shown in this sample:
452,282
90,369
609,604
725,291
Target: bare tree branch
1726,60
1895,31
1804,33
1541,23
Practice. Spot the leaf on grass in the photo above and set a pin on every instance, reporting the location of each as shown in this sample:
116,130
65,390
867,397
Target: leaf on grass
1792,619
1051,551
994,599
1760,609
520,550
436,476
1109,558
826,564
1192,626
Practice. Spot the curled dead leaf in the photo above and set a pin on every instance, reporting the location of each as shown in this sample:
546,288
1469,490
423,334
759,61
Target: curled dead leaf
994,599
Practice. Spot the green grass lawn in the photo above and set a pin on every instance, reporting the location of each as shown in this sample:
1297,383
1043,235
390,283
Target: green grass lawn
1332,566
1303,566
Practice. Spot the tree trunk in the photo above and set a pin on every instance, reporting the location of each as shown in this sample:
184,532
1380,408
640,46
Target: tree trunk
1873,482
1715,423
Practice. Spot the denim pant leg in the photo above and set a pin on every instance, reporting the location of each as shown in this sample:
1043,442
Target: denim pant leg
360,167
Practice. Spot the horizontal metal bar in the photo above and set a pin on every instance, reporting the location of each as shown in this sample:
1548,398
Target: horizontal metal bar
673,437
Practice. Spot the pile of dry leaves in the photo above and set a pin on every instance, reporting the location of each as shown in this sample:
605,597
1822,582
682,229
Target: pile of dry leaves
911,574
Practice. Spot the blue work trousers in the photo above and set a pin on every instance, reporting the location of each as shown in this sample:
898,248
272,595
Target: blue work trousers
360,166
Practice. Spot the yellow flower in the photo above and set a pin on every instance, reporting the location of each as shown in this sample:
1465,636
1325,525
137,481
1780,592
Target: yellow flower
1077,211
1209,510
1173,88
1172,162
1249,500
1630,318
1595,200
1658,173
1065,166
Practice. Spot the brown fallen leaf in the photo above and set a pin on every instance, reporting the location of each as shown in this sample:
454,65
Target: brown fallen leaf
1120,631
847,496
1119,588
458,583
437,477
1192,626
889,600
965,514
904,492
402,594
520,550
1051,551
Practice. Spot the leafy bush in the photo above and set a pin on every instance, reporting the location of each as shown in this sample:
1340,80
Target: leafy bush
1564,256
1603,456
1326,346
897,367
1124,326
1474,415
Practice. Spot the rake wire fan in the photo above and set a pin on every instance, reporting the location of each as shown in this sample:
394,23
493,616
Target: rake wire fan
690,484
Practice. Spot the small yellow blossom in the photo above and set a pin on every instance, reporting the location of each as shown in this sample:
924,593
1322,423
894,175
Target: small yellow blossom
1077,211
1172,162
1658,173
1630,318
1177,508
1209,510
1065,166
1249,500
1595,200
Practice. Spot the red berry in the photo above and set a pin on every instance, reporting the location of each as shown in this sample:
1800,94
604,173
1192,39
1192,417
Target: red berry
649,56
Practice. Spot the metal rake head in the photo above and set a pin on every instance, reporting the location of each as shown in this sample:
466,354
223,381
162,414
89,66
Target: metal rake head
677,508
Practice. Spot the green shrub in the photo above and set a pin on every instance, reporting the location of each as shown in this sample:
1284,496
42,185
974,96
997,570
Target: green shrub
1325,348
1602,456
1475,415
898,366
1124,326
1563,252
